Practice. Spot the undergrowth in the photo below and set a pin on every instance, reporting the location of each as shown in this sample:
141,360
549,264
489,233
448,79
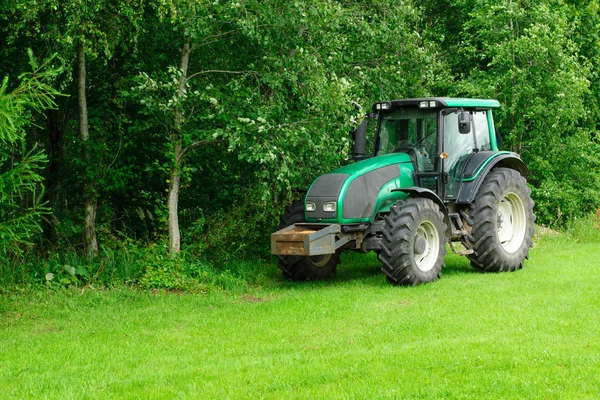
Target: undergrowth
126,263
131,265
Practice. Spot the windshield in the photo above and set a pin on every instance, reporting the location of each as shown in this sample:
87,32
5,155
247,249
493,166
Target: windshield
403,128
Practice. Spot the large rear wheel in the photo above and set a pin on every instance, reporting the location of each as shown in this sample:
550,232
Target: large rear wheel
303,268
414,242
501,219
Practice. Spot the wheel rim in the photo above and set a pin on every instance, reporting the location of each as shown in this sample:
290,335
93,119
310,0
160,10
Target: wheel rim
320,261
512,223
426,246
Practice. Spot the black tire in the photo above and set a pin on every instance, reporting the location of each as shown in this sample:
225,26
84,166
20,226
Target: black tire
502,222
414,242
302,268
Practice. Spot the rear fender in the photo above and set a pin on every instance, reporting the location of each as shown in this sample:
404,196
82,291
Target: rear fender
477,168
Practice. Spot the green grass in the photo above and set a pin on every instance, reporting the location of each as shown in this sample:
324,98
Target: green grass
529,334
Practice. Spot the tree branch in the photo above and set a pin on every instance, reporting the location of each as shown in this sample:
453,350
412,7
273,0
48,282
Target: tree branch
192,146
220,71
215,38
207,40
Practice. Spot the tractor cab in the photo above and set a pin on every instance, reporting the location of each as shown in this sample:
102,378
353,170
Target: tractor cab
440,135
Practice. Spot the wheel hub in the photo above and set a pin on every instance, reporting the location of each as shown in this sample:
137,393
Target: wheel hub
420,245
426,246
320,261
511,222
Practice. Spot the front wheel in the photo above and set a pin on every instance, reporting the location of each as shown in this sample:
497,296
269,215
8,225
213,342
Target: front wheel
305,268
501,219
414,242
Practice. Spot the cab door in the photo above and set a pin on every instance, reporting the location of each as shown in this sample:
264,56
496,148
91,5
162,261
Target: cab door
458,147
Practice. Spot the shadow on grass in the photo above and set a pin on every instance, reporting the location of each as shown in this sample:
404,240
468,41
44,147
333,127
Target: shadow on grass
366,266
365,269
457,265
354,268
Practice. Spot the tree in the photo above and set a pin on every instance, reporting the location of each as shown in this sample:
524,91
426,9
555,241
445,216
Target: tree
19,176
289,101
167,101
76,30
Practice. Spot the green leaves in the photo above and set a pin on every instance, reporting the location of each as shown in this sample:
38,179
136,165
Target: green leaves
11,119
21,192
22,180
34,93
274,84
526,55
269,97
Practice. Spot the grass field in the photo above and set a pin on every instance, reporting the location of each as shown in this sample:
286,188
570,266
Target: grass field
529,334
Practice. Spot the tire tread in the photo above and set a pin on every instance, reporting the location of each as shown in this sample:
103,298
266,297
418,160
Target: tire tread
488,254
400,225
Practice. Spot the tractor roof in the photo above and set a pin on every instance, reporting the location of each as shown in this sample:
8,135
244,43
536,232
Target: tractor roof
436,102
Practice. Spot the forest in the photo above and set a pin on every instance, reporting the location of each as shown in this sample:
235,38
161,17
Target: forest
156,141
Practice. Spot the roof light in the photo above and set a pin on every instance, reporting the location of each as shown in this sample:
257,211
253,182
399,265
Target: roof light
432,103
423,104
382,106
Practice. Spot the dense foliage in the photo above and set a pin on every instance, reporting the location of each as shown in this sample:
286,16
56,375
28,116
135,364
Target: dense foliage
21,192
200,118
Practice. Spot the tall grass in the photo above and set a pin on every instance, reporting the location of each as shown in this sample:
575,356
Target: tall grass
585,230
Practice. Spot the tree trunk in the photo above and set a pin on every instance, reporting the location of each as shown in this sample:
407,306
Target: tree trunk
172,204
176,140
89,194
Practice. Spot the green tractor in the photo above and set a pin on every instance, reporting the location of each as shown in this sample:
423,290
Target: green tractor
436,175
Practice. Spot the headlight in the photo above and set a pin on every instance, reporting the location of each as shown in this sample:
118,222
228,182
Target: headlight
330,206
310,206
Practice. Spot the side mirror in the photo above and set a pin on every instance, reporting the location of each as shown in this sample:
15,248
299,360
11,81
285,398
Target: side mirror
360,139
464,122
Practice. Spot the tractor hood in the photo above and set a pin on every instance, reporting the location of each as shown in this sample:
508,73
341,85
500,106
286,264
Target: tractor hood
373,163
355,192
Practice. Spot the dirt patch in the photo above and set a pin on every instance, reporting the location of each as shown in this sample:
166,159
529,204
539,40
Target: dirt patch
541,231
251,299
48,329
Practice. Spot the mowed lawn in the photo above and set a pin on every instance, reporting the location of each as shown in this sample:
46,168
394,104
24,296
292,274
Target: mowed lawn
534,333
